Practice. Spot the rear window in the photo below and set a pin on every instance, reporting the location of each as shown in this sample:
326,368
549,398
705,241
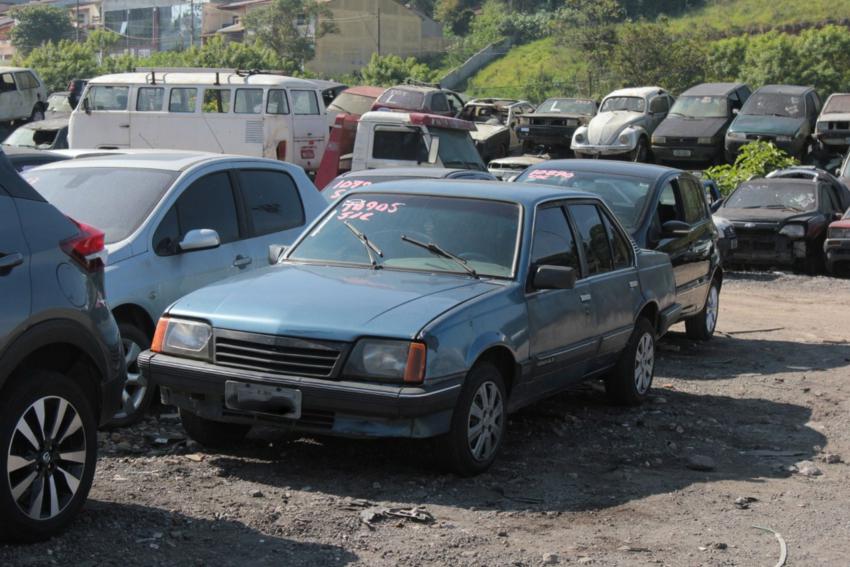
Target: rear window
115,200
402,98
351,103
24,137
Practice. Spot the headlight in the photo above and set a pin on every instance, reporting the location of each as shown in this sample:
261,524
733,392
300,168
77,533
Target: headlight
793,230
182,337
736,135
705,141
784,138
820,127
579,138
839,233
624,138
659,140
387,361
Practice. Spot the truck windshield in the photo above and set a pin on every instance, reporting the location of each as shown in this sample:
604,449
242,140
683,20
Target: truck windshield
457,149
482,233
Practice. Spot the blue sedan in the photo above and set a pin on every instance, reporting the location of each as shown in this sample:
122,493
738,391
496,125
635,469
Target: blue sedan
420,309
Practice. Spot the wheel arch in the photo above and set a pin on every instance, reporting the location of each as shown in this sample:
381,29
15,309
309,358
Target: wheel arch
136,315
649,310
503,358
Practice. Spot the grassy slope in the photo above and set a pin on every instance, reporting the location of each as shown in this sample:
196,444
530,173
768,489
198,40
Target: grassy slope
514,74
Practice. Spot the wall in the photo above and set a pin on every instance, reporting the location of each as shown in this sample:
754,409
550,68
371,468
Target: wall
458,76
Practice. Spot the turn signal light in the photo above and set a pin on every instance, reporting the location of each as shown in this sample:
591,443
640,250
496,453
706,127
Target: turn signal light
414,372
159,335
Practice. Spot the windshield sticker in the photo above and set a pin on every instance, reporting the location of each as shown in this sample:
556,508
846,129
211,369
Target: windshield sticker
549,173
344,186
361,209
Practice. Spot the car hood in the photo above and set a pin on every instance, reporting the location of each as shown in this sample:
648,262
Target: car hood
328,302
486,131
776,125
680,127
606,126
738,216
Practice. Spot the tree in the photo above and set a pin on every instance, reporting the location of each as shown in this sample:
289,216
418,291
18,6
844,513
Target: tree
38,24
276,26
589,26
388,70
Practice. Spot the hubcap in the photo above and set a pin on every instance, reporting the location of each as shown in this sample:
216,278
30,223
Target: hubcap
46,458
644,363
486,421
711,307
135,387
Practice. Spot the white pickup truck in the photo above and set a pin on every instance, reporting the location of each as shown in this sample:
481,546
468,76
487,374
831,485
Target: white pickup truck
400,139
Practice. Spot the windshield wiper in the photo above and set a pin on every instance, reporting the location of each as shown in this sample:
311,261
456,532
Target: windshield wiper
785,208
440,251
371,249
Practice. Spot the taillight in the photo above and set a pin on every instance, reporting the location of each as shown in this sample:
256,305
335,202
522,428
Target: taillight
281,151
308,153
87,248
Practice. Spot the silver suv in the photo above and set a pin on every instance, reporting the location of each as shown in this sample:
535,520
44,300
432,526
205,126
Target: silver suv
174,222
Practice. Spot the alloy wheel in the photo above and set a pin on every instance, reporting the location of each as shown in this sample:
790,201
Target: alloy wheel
46,458
136,386
644,363
711,307
486,421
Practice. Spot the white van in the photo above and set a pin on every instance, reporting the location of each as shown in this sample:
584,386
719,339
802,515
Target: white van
23,95
260,115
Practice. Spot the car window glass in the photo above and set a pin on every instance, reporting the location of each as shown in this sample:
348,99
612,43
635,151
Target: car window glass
167,235
304,102
455,104
553,243
439,103
7,82
248,101
182,100
397,144
659,105
108,98
27,81
216,101
593,237
669,205
693,200
209,203
149,99
277,104
829,199
619,245
272,201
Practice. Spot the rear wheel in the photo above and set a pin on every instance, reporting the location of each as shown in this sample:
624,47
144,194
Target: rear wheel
48,452
629,382
138,394
213,434
701,326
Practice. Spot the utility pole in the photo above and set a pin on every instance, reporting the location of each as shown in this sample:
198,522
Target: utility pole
192,24
77,22
379,27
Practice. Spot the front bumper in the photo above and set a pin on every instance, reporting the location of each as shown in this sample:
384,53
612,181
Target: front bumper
733,146
767,249
333,407
690,152
603,150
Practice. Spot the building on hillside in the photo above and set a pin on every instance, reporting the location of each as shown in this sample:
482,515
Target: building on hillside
147,26
7,50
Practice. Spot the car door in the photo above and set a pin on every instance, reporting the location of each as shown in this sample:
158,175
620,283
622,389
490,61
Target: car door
273,210
611,274
105,119
14,268
561,321
28,87
207,203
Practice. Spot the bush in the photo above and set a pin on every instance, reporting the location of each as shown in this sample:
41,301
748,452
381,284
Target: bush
389,70
756,159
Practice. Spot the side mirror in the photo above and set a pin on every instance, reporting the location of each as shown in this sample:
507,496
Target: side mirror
675,228
276,252
434,150
715,206
554,277
735,111
199,239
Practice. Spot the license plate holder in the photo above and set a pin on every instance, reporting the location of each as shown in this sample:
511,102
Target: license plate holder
268,399
682,153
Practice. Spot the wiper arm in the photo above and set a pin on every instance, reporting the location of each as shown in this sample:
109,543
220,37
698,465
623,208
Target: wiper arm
371,249
440,251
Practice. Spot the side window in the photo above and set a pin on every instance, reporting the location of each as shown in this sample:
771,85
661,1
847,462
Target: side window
277,104
304,102
811,106
399,144
7,83
108,98
149,99
439,103
553,240
182,100
207,203
216,101
26,81
272,201
455,103
693,199
829,199
593,237
669,206
659,104
734,102
620,247
248,101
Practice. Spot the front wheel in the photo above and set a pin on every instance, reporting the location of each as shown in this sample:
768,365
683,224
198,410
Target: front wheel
48,453
629,382
640,153
701,326
137,395
478,423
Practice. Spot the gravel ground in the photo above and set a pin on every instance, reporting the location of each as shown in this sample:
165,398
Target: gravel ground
747,430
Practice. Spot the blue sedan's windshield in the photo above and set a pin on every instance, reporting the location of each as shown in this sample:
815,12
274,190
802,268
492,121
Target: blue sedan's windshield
482,233
625,195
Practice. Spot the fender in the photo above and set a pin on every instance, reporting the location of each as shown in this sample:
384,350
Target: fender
485,342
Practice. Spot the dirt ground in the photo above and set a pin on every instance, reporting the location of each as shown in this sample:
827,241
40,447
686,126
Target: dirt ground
579,481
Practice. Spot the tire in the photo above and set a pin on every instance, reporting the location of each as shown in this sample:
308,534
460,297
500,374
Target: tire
51,479
630,381
641,153
213,434
701,326
137,395
37,113
481,384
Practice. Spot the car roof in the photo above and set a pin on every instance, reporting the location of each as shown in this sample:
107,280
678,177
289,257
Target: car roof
424,172
637,91
784,89
164,160
202,77
614,167
526,194
708,89
417,88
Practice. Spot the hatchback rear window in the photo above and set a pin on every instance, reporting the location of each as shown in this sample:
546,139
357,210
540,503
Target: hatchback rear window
402,98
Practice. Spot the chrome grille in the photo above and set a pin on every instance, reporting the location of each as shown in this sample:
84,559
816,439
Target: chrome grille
278,355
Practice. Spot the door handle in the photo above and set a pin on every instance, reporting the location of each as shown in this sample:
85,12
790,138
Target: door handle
585,297
9,262
242,261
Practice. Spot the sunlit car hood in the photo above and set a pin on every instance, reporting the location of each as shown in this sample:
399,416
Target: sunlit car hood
327,302
606,126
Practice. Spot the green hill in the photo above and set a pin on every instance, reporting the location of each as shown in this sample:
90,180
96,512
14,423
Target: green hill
531,70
